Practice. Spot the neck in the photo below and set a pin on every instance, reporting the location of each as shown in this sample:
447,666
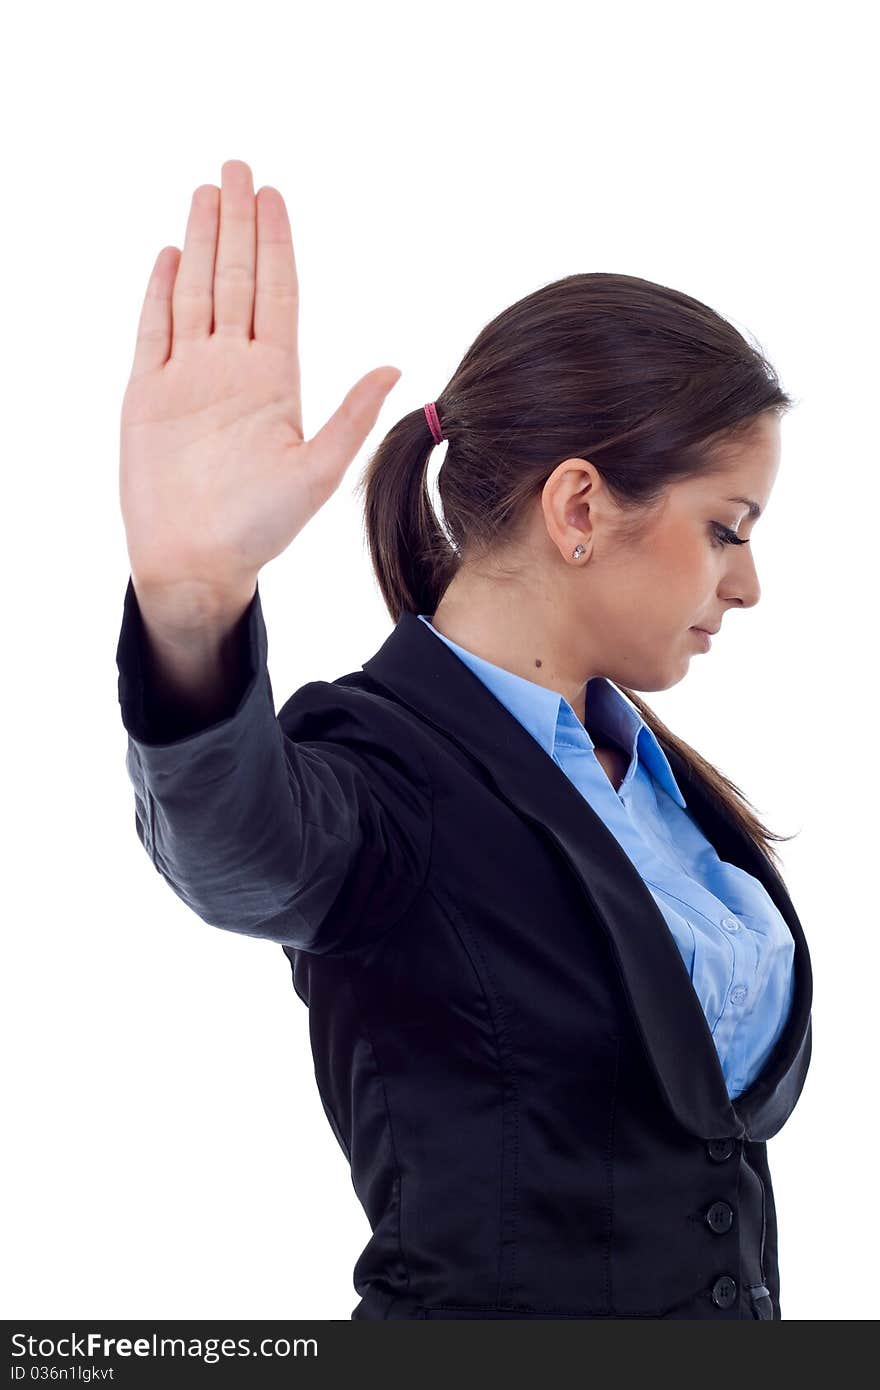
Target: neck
520,632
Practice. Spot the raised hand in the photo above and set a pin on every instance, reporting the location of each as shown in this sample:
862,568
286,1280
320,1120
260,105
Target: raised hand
216,478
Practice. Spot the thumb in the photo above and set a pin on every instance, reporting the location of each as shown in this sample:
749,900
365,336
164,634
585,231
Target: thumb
338,441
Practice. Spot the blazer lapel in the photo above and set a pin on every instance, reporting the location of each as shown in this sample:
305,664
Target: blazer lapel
430,679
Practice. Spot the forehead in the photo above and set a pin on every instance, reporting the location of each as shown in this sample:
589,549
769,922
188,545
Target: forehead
746,465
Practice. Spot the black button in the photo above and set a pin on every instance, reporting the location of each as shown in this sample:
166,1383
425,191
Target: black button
724,1291
719,1217
719,1149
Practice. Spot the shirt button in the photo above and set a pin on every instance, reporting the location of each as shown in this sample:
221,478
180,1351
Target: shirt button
730,923
738,994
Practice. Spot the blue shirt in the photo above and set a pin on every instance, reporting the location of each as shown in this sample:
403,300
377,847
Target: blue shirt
734,941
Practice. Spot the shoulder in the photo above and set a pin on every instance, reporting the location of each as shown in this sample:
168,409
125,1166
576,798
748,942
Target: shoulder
352,700
353,712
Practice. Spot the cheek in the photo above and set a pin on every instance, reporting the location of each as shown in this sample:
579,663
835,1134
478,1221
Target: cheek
681,568
685,549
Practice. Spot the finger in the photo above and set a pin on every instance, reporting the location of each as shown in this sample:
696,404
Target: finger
336,443
277,290
276,300
192,304
236,252
153,343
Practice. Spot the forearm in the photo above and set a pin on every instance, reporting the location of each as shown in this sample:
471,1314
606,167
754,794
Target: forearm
213,797
299,828
195,660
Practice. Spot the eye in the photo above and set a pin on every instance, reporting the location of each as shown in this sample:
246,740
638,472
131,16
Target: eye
724,535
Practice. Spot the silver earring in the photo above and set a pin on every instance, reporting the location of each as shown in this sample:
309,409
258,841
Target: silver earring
578,552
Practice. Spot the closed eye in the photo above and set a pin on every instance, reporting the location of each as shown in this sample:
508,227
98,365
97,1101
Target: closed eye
724,535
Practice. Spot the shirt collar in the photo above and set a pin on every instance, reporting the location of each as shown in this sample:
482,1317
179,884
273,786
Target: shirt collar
551,720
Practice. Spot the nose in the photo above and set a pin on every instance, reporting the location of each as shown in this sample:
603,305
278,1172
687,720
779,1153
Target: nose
741,584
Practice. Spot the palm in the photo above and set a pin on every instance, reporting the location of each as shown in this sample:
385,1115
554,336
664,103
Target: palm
217,436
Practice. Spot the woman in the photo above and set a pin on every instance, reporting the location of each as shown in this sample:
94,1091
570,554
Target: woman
559,996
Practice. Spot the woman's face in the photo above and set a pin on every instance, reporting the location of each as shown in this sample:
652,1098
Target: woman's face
635,603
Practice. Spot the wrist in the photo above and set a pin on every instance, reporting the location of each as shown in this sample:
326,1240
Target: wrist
180,610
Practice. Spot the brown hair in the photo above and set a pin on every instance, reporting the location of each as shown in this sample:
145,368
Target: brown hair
644,381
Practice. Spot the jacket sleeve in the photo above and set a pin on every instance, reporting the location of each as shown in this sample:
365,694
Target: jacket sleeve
308,828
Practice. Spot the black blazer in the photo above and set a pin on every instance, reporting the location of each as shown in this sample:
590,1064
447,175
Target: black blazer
506,1040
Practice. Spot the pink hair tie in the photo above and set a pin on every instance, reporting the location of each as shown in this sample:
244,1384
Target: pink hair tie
434,422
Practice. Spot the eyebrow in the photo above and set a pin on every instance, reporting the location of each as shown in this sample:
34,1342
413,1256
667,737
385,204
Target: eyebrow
754,509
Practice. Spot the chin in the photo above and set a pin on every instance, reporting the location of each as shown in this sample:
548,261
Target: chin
645,679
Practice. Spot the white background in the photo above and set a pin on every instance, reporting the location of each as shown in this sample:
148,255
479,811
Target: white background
166,1151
